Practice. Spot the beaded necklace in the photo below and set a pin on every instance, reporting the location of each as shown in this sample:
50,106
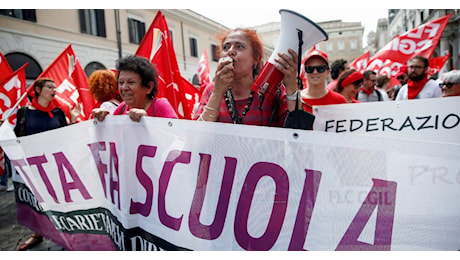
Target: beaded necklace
233,110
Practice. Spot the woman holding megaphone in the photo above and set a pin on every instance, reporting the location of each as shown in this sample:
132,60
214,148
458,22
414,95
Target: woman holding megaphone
230,99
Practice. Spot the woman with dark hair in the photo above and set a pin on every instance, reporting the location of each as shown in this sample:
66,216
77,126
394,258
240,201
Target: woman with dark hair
40,116
229,99
348,84
337,68
137,84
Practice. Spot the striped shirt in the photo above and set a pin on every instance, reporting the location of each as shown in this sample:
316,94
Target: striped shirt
254,116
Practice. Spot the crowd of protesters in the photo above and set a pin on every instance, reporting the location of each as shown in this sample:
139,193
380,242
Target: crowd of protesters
132,90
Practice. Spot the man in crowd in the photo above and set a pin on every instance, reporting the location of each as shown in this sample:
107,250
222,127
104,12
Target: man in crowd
419,86
368,92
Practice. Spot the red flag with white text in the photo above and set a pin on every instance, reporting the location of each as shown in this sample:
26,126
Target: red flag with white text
420,41
71,84
360,63
12,90
158,48
203,71
437,63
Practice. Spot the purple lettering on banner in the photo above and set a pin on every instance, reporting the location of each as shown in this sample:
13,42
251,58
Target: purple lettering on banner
174,157
95,148
114,176
213,230
22,163
39,160
61,162
143,208
383,197
275,223
306,206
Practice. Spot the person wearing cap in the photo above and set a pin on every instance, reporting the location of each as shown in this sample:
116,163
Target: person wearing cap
450,85
368,92
349,84
317,70
418,86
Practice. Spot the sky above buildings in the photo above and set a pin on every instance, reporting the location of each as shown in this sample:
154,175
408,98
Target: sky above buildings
250,17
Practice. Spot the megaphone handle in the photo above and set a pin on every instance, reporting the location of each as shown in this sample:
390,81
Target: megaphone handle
299,60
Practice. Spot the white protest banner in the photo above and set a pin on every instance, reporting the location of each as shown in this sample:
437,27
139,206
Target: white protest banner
434,119
168,184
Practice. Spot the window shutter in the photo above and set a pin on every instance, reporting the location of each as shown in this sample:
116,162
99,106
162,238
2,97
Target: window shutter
100,17
81,13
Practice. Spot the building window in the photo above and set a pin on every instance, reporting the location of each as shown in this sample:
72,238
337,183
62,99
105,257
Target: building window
17,59
214,52
92,67
171,34
353,44
136,30
329,46
23,14
92,21
341,45
193,47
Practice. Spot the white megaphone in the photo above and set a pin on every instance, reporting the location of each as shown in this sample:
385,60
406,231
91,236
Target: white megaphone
292,25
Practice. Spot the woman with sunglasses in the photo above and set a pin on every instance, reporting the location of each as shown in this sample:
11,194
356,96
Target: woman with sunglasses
316,92
450,85
349,84
229,99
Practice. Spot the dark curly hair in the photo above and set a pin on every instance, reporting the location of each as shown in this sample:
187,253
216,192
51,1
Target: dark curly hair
144,68
336,67
103,85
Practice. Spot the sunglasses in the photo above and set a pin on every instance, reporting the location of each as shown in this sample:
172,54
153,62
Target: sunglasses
320,69
448,85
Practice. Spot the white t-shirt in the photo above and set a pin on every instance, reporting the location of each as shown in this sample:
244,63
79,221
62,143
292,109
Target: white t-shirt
430,90
109,105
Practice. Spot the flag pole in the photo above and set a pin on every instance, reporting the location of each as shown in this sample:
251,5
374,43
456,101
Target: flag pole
17,104
23,95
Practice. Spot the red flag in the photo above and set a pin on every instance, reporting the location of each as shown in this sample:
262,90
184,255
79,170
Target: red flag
203,71
360,63
71,82
158,48
192,94
420,41
5,69
12,90
437,63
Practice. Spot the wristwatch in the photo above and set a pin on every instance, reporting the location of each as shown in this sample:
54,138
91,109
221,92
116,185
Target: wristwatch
293,97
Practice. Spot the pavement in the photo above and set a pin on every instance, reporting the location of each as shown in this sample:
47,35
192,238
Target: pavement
13,235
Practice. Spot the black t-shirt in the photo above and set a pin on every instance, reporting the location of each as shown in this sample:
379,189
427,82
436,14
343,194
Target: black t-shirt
38,121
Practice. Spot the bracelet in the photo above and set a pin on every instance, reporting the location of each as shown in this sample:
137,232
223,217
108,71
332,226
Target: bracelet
292,97
206,109
209,108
